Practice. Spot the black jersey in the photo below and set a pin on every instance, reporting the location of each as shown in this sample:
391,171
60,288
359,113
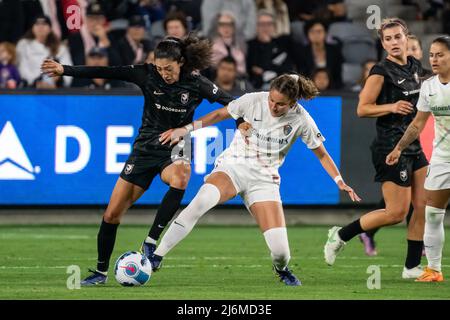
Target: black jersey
166,106
400,83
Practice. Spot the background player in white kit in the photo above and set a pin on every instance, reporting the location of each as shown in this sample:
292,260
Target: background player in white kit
249,166
435,99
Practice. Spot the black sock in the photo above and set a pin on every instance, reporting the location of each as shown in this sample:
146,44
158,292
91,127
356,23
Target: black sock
414,254
166,211
371,233
410,213
351,230
105,244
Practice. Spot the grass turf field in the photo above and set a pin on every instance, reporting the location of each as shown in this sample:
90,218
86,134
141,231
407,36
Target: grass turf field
211,263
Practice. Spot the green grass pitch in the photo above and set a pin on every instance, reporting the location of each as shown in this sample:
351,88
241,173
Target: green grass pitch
211,263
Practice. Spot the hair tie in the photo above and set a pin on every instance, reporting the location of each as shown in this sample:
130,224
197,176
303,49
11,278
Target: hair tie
295,77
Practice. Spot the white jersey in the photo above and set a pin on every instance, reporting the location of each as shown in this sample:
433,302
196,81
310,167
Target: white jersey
435,98
271,137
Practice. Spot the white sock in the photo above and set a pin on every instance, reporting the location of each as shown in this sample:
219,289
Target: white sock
207,197
434,236
150,240
277,241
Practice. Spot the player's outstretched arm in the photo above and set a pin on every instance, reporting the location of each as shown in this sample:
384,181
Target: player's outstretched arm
367,107
411,134
174,135
330,167
126,73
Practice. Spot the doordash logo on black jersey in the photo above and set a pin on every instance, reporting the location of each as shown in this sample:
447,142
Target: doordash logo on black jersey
161,107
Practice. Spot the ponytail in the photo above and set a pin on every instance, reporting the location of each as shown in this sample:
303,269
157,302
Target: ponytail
295,87
194,53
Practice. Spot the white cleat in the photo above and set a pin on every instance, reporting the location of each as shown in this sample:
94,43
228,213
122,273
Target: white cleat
333,246
412,273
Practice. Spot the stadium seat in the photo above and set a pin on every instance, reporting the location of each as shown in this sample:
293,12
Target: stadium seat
157,30
358,44
297,33
351,72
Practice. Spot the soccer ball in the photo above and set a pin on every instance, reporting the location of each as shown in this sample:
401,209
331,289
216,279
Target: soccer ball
132,269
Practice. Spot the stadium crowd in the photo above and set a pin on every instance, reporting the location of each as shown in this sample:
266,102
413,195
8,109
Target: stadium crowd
254,41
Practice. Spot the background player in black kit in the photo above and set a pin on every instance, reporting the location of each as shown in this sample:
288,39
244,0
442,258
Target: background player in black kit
172,89
390,95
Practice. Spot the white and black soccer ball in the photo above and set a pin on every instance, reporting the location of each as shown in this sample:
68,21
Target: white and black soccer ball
132,269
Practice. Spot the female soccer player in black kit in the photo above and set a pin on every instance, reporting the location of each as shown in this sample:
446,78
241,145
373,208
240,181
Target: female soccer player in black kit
390,94
172,89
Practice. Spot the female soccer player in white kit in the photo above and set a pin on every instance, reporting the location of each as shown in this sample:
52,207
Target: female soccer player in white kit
435,99
249,166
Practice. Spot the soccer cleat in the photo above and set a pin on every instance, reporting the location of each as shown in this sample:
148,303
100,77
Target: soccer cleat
156,262
333,246
412,273
147,249
369,244
287,277
430,275
94,279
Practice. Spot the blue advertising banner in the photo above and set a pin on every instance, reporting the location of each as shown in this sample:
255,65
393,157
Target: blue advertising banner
70,149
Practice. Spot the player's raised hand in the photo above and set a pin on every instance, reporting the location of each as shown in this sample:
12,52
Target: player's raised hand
245,129
392,158
52,68
351,193
173,135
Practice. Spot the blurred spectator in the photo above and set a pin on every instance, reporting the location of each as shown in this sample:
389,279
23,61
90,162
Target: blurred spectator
432,11
305,10
151,10
227,79
93,33
11,20
244,12
176,25
97,57
321,79
337,10
38,44
320,54
134,48
227,43
267,56
365,70
9,75
446,18
191,8
280,13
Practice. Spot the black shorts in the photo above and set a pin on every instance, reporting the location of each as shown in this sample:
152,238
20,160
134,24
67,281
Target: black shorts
401,173
141,169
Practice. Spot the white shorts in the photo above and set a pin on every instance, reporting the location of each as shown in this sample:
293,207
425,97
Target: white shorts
438,176
252,182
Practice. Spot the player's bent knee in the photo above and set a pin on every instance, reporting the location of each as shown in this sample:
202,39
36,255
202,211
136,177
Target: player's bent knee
434,216
179,182
397,216
112,217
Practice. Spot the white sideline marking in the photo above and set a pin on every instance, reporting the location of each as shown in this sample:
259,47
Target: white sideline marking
37,236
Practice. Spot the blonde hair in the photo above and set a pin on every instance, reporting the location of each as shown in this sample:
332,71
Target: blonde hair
391,23
11,49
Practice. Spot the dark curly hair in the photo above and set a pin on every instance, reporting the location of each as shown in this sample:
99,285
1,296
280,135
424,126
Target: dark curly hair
194,52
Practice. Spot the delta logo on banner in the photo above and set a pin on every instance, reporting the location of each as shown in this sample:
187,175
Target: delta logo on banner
14,161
